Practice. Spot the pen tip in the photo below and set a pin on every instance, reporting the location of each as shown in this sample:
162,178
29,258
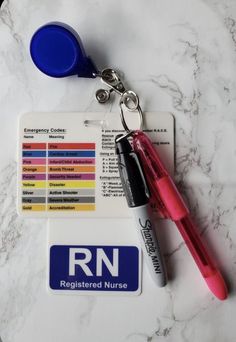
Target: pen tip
217,285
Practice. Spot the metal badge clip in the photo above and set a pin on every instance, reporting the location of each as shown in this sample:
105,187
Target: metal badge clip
128,98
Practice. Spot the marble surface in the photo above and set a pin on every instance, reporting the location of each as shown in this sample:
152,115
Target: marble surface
180,56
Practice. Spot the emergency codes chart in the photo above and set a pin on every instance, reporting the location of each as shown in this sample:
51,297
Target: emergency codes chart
58,177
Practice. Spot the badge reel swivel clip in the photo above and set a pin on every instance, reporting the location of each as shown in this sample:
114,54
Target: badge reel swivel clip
129,100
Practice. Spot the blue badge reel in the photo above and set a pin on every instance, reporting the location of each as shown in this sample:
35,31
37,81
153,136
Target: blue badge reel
56,50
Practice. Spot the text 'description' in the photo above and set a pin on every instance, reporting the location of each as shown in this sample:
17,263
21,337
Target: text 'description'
94,268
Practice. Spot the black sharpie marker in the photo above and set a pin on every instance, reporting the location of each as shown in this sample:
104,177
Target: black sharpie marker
137,196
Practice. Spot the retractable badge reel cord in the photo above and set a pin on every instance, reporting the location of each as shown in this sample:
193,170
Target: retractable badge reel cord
57,50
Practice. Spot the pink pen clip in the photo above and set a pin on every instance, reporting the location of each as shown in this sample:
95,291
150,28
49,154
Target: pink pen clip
172,206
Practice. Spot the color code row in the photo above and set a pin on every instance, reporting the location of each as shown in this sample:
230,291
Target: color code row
59,146
37,176
39,154
51,161
59,208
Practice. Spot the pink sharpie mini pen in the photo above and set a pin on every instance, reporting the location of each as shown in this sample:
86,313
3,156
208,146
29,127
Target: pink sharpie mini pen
168,197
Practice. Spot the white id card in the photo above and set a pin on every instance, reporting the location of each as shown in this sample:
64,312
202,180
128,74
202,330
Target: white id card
67,169
93,256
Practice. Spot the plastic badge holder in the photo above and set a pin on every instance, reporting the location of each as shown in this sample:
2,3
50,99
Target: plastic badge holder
68,170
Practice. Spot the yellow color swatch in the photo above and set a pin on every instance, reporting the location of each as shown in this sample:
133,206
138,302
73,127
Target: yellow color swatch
71,207
34,207
71,184
34,184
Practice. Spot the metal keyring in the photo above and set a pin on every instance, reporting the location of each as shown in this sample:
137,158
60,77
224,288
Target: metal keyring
130,100
124,136
141,120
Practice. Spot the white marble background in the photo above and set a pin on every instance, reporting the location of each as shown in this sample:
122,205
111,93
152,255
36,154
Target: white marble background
180,56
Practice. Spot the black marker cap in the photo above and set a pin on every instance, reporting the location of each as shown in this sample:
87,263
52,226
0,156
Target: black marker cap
131,174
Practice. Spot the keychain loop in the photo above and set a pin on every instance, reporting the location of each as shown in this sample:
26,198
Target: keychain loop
124,136
124,124
130,99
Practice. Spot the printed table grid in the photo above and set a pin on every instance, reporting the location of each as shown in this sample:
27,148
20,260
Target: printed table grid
58,177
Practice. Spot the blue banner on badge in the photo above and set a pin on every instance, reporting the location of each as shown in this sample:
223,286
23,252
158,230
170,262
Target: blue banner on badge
94,268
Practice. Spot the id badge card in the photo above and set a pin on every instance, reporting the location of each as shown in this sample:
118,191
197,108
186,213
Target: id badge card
95,257
69,169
